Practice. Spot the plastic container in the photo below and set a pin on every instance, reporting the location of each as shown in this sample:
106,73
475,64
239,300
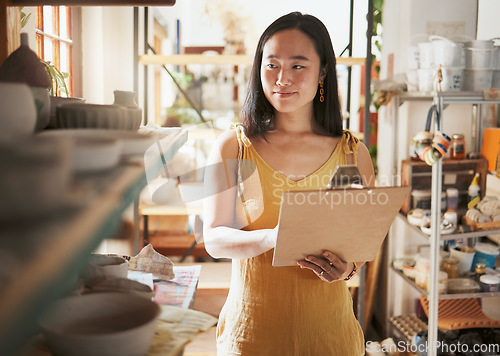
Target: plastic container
426,57
461,285
421,279
489,283
446,52
495,78
485,253
478,58
480,44
464,260
477,79
422,264
413,57
453,78
495,60
442,278
422,199
426,79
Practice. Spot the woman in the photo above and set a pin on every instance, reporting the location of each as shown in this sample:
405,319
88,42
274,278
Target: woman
291,138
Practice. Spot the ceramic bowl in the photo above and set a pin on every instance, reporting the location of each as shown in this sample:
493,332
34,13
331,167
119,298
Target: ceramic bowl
76,115
55,102
102,267
104,324
133,143
35,179
123,285
95,154
18,114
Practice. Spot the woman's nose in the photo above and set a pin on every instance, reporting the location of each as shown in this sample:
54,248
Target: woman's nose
283,78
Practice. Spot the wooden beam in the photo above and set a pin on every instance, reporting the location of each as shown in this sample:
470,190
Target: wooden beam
10,29
93,2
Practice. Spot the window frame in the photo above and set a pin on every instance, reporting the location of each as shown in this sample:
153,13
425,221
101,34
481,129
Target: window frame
55,37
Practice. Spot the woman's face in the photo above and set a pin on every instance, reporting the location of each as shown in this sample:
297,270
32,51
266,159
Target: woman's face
290,71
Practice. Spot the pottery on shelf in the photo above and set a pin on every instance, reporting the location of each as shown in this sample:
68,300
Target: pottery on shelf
105,324
125,98
55,102
42,104
24,66
18,115
77,115
36,177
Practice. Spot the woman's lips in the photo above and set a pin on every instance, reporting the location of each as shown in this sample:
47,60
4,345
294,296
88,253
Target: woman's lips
281,94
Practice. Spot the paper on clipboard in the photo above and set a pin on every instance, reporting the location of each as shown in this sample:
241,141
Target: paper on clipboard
352,223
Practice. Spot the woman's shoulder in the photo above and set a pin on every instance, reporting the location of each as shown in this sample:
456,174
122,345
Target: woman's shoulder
228,142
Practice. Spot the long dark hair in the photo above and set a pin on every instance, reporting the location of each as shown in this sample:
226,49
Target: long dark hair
258,114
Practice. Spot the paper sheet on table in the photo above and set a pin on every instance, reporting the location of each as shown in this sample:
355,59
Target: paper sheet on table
176,327
352,223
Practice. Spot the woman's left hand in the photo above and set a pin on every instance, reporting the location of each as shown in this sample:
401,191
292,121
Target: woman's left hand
330,268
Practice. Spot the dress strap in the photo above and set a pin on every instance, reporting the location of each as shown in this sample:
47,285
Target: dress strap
350,145
243,140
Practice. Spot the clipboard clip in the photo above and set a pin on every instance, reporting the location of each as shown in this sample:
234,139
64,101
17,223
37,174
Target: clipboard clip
347,176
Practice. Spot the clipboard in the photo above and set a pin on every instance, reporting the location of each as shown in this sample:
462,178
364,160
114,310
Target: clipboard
350,222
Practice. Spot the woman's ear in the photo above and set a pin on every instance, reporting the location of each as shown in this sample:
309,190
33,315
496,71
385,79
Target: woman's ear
322,73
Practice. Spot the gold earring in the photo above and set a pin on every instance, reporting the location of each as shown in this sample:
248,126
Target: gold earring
321,92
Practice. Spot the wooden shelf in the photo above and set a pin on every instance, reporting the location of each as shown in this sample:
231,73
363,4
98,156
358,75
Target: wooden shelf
185,59
46,255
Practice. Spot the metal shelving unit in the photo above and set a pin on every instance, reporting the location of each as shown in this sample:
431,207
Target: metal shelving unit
459,234
444,295
442,100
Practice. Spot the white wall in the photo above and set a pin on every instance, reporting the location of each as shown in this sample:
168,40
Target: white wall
107,52
488,25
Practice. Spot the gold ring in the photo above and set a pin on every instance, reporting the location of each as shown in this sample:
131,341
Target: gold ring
321,273
331,269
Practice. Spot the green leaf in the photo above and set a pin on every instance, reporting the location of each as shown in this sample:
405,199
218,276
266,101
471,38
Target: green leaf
378,5
24,19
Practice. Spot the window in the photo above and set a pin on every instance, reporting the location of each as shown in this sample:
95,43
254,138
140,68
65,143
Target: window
54,41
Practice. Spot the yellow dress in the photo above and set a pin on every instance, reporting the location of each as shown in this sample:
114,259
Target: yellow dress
286,311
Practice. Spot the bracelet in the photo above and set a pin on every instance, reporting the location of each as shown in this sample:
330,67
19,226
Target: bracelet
353,272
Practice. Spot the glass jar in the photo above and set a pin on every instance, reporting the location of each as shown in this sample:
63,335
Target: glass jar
480,271
457,147
450,266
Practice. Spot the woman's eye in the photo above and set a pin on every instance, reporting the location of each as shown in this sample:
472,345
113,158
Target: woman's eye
270,65
298,66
